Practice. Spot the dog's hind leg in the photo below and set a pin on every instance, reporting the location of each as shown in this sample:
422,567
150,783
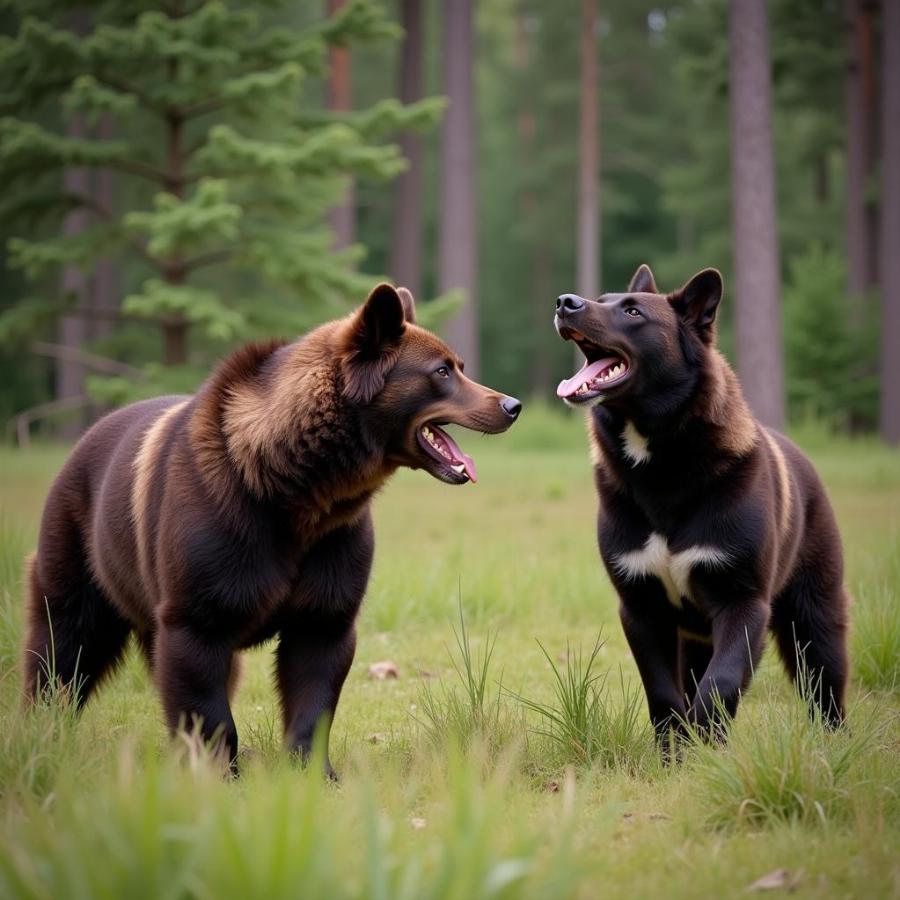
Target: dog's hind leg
74,636
693,661
809,621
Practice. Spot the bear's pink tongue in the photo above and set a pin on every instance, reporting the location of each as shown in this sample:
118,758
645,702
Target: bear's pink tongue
588,372
456,453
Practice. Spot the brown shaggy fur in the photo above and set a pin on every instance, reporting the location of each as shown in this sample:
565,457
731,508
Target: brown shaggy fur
210,523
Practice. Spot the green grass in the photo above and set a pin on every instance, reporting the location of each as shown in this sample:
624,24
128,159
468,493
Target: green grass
508,759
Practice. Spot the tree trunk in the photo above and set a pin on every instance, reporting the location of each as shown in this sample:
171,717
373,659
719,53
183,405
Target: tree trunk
871,125
588,242
342,217
406,241
859,115
457,257
757,283
175,351
539,374
175,328
890,226
72,330
105,282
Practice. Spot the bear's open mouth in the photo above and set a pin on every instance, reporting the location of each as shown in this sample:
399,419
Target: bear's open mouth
603,369
453,464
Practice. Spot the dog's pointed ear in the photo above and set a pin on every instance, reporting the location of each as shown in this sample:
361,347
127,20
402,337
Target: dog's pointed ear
698,301
371,343
409,304
643,282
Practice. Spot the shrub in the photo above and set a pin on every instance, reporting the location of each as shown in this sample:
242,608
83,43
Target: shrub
831,363
779,765
586,724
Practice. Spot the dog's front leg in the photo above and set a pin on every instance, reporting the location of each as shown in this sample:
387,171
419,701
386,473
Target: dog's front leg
738,633
654,644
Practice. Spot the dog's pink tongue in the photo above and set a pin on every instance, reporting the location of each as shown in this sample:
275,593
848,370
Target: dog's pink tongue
588,371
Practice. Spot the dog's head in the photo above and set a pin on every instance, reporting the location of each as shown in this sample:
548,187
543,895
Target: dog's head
641,344
408,383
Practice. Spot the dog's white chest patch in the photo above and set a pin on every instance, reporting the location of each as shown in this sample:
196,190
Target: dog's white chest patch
634,444
672,569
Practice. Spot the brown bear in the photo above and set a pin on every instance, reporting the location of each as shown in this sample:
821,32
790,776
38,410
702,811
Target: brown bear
207,524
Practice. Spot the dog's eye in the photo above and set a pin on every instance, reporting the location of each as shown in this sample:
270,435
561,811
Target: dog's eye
443,371
632,311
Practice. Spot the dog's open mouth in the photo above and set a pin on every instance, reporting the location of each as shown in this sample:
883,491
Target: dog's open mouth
453,465
603,370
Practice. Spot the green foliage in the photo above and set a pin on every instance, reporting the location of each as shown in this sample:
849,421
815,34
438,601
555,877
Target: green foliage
784,767
234,223
107,806
665,167
831,359
454,718
586,724
162,830
876,629
223,176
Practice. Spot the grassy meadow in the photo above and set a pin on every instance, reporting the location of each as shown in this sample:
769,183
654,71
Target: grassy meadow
511,757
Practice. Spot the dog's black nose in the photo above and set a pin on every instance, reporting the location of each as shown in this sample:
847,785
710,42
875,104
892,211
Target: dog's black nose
511,407
568,303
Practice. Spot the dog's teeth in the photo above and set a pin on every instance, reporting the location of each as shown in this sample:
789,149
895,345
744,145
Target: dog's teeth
458,469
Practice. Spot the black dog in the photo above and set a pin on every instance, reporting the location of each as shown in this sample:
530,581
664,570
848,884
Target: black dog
712,527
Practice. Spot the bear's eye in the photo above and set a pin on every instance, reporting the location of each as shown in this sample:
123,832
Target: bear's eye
632,311
443,371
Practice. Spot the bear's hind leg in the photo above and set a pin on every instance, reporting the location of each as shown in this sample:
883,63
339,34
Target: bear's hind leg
74,636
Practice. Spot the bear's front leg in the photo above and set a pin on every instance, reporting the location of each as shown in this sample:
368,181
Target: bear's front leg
312,666
193,671
318,637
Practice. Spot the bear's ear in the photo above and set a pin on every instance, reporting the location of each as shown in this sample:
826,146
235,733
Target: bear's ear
371,343
409,304
380,320
643,282
698,301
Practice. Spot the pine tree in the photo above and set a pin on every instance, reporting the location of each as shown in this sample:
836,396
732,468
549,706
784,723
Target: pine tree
225,179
